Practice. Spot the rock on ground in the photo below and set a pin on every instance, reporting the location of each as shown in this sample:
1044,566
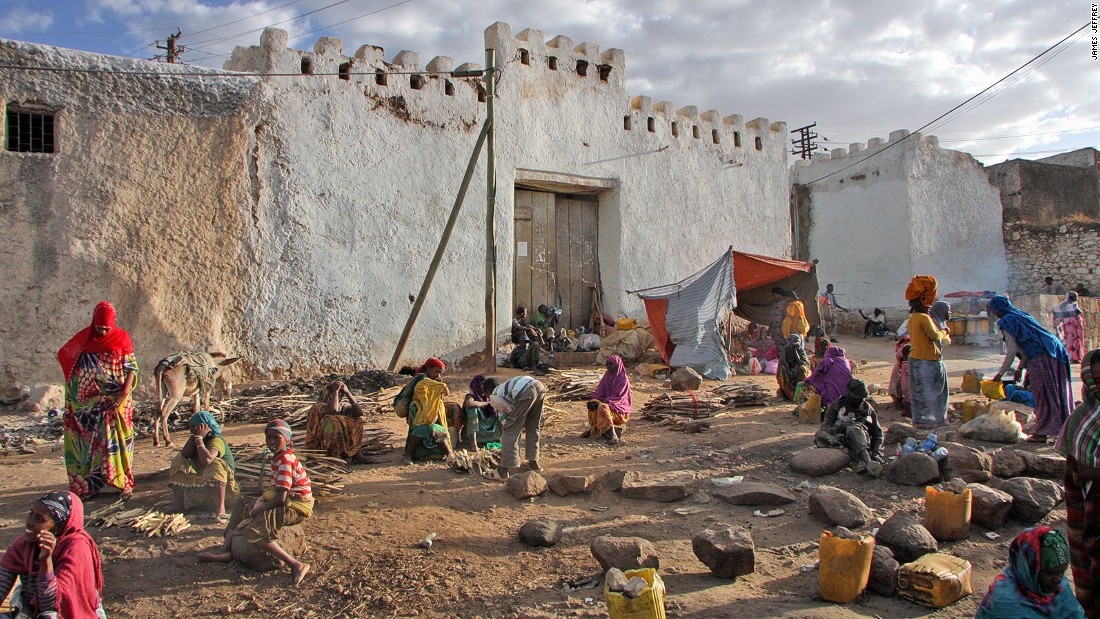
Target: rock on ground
817,462
836,507
563,485
753,493
1048,465
913,469
884,572
897,433
540,532
625,553
989,507
727,551
292,539
663,488
1032,499
906,537
611,480
44,397
526,485
1007,463
967,463
686,379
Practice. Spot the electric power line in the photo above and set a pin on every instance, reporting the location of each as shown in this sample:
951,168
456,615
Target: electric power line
952,110
203,44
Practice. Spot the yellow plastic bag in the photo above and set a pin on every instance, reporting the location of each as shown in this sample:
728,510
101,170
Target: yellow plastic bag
650,603
809,411
947,514
972,383
845,565
993,389
626,324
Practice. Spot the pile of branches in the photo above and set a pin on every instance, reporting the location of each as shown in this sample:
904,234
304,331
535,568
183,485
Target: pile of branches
698,405
326,473
144,520
736,395
565,385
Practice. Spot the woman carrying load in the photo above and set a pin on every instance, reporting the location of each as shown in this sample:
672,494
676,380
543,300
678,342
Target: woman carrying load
428,436
927,375
1047,364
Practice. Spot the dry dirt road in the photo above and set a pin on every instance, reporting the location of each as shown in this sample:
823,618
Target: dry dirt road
366,562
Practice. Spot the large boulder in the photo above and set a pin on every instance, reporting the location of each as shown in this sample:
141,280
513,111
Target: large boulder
611,480
292,539
1007,463
526,485
663,488
913,469
753,493
884,572
1048,465
540,532
686,379
989,507
967,463
836,507
906,537
625,553
727,551
563,485
817,462
43,398
898,432
1032,499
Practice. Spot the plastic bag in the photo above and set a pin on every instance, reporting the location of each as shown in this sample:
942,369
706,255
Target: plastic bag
997,427
993,389
755,367
771,366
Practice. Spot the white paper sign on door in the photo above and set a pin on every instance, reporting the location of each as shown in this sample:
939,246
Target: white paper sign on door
521,249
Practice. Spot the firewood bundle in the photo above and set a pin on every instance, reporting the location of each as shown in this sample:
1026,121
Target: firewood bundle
694,405
157,524
565,385
482,461
736,395
325,472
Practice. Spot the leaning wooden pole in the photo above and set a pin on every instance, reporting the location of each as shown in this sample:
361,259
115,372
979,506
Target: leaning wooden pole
486,129
490,214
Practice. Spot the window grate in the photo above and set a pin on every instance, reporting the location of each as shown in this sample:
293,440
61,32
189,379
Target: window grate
30,132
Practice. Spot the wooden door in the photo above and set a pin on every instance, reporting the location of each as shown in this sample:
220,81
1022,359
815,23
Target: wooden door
555,254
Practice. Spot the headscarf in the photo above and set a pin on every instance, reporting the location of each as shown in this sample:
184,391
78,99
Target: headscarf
940,313
1016,593
280,426
59,505
208,418
1080,437
1032,338
1067,308
923,288
477,386
75,560
794,353
614,387
86,341
830,377
431,363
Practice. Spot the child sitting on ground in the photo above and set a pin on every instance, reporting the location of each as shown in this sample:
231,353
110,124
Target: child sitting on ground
288,502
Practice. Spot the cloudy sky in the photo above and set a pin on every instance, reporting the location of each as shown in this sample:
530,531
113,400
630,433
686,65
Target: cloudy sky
859,68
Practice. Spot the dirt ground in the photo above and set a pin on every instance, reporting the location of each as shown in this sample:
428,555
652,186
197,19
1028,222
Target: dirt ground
366,562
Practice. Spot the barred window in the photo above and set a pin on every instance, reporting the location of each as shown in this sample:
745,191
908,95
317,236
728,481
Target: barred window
30,131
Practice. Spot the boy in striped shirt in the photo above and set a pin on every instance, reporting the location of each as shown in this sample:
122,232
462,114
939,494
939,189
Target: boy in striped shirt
289,501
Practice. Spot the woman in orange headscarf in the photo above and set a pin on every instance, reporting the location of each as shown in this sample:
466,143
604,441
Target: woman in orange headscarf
100,374
927,376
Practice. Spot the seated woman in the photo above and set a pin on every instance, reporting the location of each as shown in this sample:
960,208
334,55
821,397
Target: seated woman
829,379
481,426
851,423
428,436
204,468
332,428
56,561
609,408
287,501
1033,585
793,367
875,325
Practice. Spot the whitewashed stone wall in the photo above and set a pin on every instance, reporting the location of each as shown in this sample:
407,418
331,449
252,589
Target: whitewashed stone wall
1069,252
291,219
913,209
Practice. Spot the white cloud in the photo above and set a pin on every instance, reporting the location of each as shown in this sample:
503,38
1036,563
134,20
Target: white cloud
21,19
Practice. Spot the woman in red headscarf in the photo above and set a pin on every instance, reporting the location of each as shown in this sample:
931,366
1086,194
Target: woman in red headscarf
100,375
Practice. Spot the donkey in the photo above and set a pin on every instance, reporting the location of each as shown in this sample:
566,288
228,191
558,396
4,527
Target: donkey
188,374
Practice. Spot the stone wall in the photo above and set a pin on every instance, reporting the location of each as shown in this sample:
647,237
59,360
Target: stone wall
1069,252
1047,194
905,207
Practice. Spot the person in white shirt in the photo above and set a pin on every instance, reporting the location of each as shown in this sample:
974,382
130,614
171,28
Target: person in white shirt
519,403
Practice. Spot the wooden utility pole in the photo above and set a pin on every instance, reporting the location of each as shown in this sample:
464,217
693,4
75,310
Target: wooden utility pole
173,50
804,143
490,214
434,266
